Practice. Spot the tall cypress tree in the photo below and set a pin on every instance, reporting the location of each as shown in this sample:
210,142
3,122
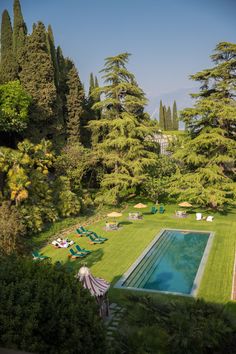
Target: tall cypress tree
168,119
175,121
75,106
37,77
19,30
207,159
164,117
8,67
52,51
124,148
161,116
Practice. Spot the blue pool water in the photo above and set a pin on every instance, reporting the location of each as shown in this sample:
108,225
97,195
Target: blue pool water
171,263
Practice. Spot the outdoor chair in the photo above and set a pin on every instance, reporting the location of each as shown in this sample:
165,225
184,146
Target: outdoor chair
209,218
37,256
82,250
154,210
94,240
74,254
98,237
198,216
161,209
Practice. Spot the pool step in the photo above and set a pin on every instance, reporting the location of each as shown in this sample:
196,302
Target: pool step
152,269
154,261
136,278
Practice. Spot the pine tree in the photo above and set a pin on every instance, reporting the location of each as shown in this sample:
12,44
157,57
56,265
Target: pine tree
8,67
175,121
75,105
37,77
207,174
161,117
124,132
168,119
19,30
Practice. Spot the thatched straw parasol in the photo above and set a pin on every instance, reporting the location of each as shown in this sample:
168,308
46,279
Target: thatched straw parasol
140,206
114,214
185,204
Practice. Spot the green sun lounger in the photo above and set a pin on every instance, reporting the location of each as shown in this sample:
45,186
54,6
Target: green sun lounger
80,231
76,254
82,250
95,240
37,256
98,237
154,210
162,209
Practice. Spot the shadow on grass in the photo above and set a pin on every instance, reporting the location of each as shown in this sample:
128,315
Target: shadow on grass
125,223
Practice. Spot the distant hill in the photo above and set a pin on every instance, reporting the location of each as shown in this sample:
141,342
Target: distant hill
181,96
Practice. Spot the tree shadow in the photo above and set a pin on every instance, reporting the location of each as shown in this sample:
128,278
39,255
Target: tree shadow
125,222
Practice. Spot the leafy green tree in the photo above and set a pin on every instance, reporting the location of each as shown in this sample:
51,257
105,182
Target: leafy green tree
19,31
75,105
165,118
45,310
14,107
11,228
8,66
161,117
125,146
37,77
207,158
175,121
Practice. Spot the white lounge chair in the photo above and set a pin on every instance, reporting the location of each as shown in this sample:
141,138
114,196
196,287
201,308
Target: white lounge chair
209,218
198,216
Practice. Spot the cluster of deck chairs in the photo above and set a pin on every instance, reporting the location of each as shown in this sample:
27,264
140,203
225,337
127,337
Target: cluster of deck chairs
92,236
154,209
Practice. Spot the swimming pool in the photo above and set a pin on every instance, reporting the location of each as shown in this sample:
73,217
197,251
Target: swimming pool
172,263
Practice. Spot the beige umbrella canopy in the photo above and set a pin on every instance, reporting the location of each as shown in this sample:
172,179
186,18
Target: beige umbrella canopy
185,204
114,214
140,206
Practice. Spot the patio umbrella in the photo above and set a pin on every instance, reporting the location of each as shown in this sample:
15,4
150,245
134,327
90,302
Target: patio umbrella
185,204
114,214
140,206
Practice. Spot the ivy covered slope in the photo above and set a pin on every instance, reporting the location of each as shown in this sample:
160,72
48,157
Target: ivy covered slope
207,158
123,143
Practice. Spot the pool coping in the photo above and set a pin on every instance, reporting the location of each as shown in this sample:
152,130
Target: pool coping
197,279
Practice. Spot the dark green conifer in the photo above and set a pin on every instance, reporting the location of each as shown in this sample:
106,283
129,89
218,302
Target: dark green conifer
161,117
207,158
124,148
168,119
37,77
164,117
175,121
75,106
52,51
8,67
19,30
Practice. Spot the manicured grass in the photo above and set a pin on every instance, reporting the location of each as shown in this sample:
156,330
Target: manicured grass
111,259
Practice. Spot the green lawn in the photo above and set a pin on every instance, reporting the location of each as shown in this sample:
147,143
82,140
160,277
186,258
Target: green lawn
111,259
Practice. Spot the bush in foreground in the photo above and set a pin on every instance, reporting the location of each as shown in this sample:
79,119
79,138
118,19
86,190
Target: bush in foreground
44,309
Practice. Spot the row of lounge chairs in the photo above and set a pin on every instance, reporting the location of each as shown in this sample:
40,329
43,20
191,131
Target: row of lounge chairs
92,236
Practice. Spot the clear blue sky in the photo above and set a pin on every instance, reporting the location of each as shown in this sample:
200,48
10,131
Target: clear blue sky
168,39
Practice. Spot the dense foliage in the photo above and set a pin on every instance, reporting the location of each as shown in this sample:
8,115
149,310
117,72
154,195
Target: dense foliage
45,310
189,327
206,160
125,147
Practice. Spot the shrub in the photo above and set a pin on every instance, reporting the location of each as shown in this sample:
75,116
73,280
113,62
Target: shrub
45,310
